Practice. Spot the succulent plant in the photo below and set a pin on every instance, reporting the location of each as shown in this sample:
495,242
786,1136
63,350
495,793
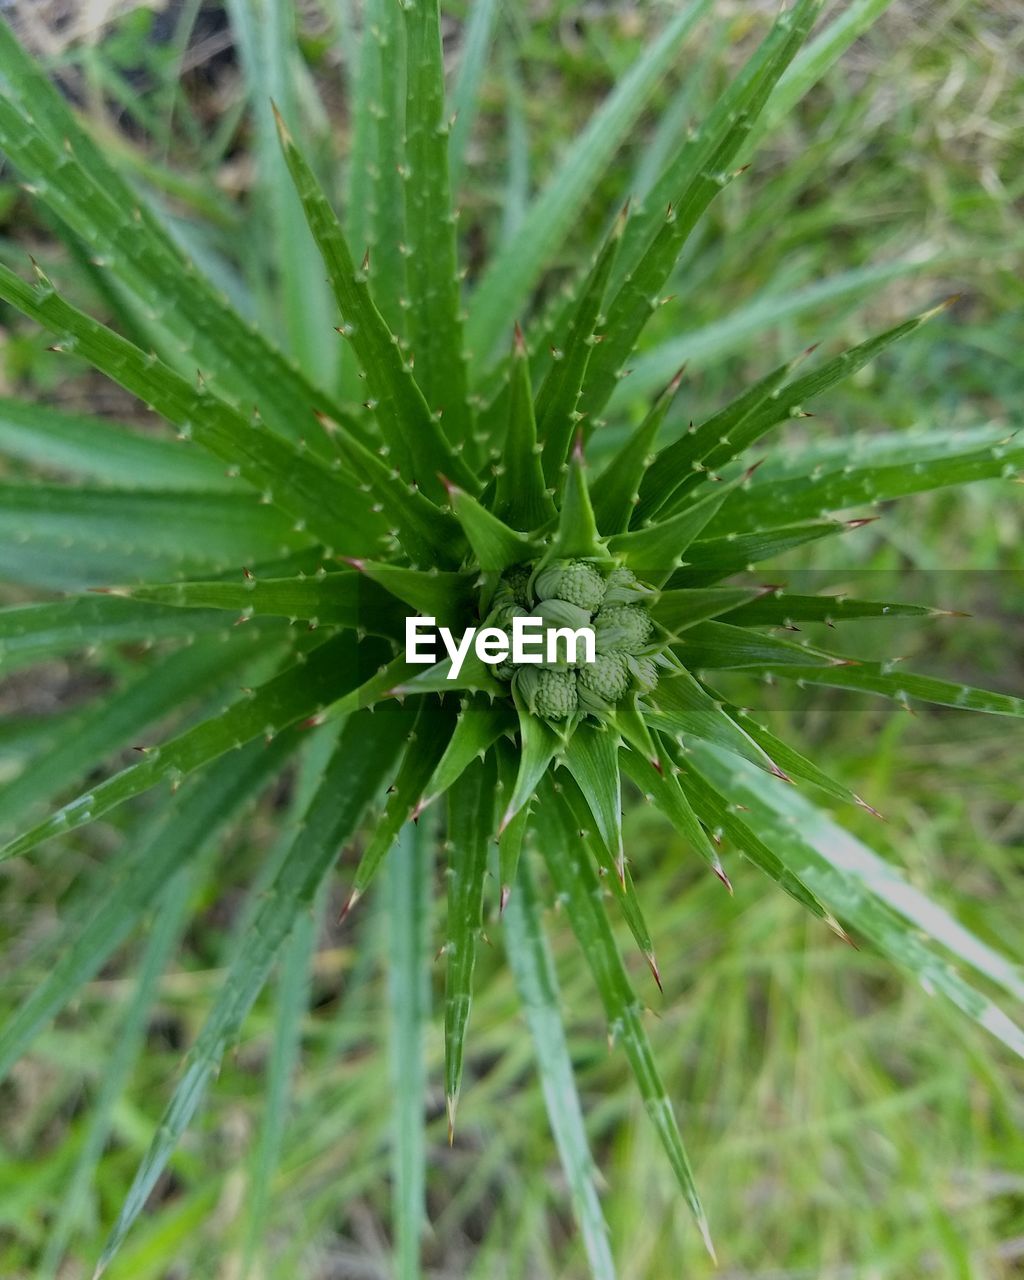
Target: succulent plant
441,474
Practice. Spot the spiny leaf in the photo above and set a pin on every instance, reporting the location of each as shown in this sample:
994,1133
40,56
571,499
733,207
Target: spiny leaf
481,722
539,745
853,485
657,551
557,419
873,897
512,273
190,823
688,186
427,534
886,680
427,741
718,645
344,599
331,506
675,466
76,179
431,259
661,785
617,489
712,559
299,691
576,536
445,596
577,885
677,610
33,632
495,545
592,757
108,453
511,834
366,748
470,829
406,422
780,608
520,498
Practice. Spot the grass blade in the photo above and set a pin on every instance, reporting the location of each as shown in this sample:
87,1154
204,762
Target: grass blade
409,902
534,973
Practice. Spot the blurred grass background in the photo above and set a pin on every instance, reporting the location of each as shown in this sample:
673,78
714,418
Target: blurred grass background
842,1124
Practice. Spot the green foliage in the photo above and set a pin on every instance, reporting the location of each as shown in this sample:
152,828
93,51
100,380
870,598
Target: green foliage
464,487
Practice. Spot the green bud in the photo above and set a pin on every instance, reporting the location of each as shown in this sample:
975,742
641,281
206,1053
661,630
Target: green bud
624,628
574,581
600,684
516,582
548,692
559,613
644,672
623,587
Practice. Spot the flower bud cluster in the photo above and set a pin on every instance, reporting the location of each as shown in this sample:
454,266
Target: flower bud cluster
577,594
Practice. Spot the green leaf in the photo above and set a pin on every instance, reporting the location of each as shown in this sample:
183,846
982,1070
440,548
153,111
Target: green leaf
712,559
119,720
860,483
576,536
409,427
427,741
873,897
678,610
661,786
719,815
480,724
576,883
76,179
365,750
512,832
617,489
660,228
67,539
886,680
298,692
515,269
495,546
470,829
674,468
449,597
682,707
655,552
343,599
557,418
31,633
520,497
431,258
190,823
333,508
425,532
777,607
592,757
409,901
532,968
717,645
539,744
108,453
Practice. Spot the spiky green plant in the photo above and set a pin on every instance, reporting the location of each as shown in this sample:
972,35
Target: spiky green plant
321,501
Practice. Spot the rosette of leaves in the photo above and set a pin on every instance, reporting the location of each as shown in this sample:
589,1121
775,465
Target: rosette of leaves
321,495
